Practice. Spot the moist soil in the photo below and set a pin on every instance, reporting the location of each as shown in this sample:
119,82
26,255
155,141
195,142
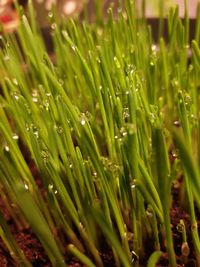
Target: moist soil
35,253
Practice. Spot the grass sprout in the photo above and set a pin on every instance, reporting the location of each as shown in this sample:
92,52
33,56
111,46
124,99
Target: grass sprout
98,119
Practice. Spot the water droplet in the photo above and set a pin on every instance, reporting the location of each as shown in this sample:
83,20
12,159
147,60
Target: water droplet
175,82
135,257
152,63
26,186
88,115
50,14
175,153
194,226
73,47
119,10
133,184
34,92
27,126
45,154
71,166
94,174
123,132
48,94
35,96
187,100
35,100
15,82
16,95
126,113
130,69
53,26
6,147
180,228
35,131
83,119
60,81
117,63
15,136
132,49
59,128
177,123
152,117
50,187
149,213
154,48
55,192
46,104
98,60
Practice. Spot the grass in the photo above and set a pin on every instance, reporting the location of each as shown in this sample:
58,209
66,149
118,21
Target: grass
99,123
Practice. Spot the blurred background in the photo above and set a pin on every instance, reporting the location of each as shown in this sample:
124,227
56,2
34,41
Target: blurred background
9,19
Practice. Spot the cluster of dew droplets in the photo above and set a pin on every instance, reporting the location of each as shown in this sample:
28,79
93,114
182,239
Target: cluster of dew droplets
130,69
45,154
59,128
35,95
110,166
153,56
118,91
126,130
70,125
33,128
52,189
117,63
126,113
153,114
70,161
132,49
46,104
16,95
123,132
188,100
46,101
